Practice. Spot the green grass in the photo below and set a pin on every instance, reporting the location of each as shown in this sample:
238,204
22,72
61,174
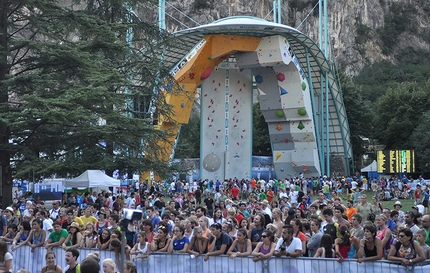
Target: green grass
407,204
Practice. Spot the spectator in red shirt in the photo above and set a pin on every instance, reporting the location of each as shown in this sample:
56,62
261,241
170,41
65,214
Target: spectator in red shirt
235,192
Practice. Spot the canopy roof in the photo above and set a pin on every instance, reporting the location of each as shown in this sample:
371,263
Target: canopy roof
92,179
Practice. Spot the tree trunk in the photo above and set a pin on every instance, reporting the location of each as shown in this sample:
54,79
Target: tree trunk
5,170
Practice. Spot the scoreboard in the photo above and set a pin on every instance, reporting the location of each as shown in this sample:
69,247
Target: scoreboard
396,161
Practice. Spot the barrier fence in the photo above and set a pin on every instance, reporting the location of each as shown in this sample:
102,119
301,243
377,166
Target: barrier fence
23,258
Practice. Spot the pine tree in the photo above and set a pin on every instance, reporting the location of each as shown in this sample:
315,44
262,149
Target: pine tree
76,84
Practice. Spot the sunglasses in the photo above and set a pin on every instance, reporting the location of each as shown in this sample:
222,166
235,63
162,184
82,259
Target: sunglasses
264,236
401,235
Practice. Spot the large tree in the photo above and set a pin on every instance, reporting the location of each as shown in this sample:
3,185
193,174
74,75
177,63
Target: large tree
76,88
398,113
359,115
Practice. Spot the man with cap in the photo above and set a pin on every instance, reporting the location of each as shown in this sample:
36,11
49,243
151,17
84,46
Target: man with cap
242,209
418,208
397,207
9,214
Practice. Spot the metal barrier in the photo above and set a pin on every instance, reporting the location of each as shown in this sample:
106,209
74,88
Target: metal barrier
184,263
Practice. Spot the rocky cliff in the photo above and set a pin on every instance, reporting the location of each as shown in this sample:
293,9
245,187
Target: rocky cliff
361,31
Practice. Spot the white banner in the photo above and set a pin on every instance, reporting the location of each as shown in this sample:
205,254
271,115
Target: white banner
23,258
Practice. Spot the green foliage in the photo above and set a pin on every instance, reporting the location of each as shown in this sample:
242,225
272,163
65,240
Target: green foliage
420,142
413,66
358,113
70,72
398,113
189,139
260,137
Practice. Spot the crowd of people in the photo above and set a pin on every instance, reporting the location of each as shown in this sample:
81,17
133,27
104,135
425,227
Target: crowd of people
237,218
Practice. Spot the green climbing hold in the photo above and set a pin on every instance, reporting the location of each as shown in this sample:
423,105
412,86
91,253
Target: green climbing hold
301,111
280,113
303,86
301,126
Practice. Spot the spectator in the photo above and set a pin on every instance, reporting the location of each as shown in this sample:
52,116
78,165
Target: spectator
406,250
370,245
298,233
161,240
384,233
104,239
109,266
90,265
90,237
241,247
142,248
88,217
12,230
392,222
421,239
102,223
74,239
264,249
364,208
179,243
10,217
257,230
51,265
288,245
223,241
72,255
397,207
326,248
5,258
23,233
331,228
343,243
155,219
129,267
54,213
57,237
314,242
410,222
47,223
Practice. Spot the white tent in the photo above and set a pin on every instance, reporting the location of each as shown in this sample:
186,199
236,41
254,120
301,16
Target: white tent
92,179
372,167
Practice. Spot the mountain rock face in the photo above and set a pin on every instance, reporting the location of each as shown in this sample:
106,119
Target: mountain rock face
361,31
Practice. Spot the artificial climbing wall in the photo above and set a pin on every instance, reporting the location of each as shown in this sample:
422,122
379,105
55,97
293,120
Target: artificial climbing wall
226,124
286,105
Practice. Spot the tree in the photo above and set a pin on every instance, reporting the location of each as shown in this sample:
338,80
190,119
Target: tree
398,112
260,137
189,139
420,142
76,88
358,113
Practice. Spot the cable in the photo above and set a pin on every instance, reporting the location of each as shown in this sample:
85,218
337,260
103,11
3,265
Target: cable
307,15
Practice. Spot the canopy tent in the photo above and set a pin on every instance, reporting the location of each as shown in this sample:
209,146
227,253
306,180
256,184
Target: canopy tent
92,179
371,169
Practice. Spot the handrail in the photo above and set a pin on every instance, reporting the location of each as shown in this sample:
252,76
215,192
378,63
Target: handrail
23,258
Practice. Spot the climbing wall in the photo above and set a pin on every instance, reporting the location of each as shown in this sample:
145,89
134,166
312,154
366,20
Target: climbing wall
286,105
226,123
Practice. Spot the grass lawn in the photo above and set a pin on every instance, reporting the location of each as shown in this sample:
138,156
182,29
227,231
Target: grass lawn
407,204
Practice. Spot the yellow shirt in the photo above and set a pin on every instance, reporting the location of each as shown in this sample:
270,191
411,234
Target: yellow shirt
79,221
91,219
